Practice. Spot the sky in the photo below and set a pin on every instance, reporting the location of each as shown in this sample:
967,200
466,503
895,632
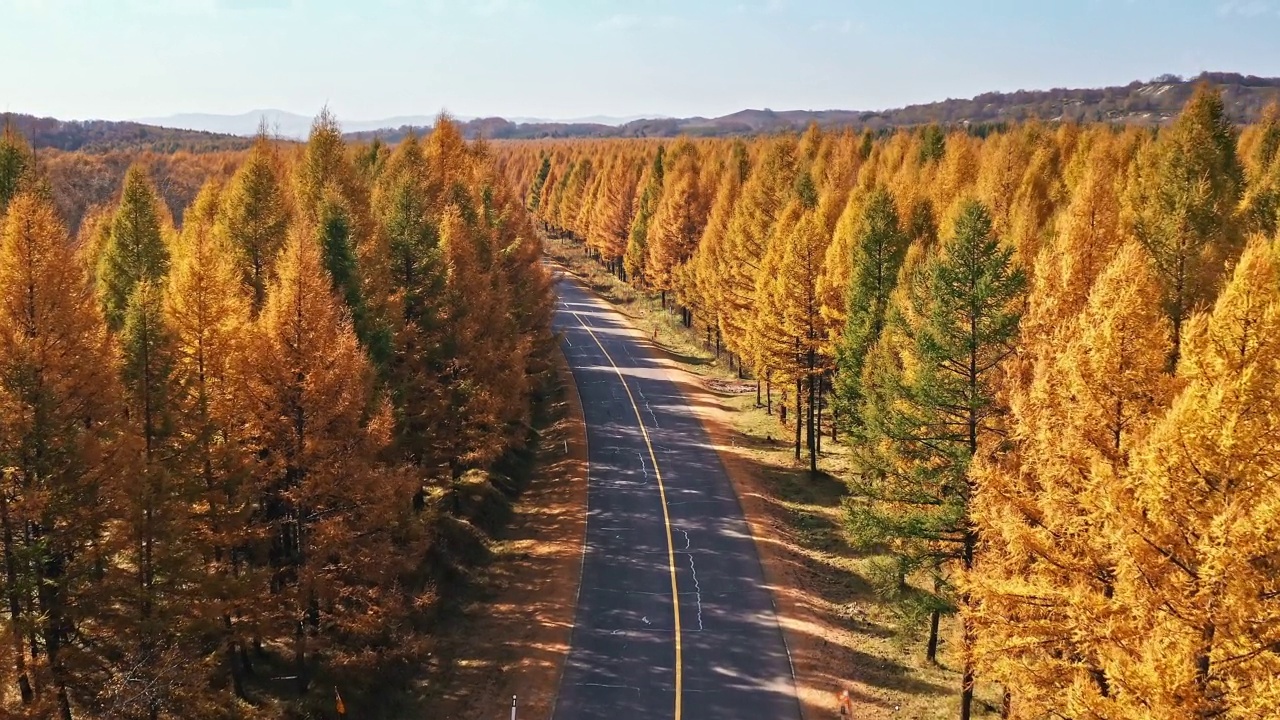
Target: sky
371,59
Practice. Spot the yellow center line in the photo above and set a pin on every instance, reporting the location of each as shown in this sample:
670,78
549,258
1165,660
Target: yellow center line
666,517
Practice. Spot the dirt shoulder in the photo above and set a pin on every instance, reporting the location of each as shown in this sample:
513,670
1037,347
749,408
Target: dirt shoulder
511,634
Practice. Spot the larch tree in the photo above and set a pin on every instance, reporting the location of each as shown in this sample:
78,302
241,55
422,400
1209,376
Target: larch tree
206,313
550,207
617,208
959,329
764,197
155,539
324,501
576,185
57,418
1260,206
712,246
1198,579
1042,593
479,366
797,288
678,218
1183,206
335,230
332,193
768,347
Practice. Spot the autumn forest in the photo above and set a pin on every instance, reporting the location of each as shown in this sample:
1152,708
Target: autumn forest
1052,348
250,399
234,449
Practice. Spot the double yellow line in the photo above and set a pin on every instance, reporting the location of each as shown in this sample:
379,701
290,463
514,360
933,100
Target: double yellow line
666,517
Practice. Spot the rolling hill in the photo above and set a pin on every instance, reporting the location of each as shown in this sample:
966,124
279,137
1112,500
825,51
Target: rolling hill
1151,102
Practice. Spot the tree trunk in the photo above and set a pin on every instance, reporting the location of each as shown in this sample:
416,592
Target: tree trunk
799,413
300,657
931,650
935,617
15,604
768,394
813,445
233,661
245,661
817,436
758,392
835,418
966,692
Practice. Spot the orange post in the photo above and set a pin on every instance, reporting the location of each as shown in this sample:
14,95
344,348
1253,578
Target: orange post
846,704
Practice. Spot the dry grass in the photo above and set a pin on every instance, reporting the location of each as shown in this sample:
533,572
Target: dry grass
840,633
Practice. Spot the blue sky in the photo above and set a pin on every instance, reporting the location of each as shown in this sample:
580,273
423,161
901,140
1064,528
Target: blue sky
371,59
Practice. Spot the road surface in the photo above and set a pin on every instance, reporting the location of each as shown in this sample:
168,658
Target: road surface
663,521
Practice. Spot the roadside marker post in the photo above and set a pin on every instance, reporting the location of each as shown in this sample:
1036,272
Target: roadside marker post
846,704
513,707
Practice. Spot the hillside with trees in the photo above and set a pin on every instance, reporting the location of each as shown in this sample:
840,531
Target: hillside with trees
99,136
243,439
1152,103
1149,103
1051,348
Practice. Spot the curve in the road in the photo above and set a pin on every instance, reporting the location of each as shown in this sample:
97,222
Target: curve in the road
665,539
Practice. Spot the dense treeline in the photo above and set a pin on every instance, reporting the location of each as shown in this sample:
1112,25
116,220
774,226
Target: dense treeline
103,136
1052,350
231,448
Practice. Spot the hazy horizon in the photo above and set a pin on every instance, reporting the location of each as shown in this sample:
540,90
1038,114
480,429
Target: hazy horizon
557,59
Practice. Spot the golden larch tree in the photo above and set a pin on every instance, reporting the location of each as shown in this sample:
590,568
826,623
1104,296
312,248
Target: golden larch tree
1199,580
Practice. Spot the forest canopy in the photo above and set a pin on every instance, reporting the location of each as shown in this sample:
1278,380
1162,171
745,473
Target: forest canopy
237,421
1051,350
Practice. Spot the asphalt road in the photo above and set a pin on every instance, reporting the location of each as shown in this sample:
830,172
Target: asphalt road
661,513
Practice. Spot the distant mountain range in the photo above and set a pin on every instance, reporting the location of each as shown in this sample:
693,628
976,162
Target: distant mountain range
1151,102
292,125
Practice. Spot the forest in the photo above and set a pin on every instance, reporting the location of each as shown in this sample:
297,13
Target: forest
1053,350
240,424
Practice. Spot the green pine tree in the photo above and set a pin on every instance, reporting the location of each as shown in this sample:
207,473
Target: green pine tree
535,190
254,218
338,253
136,250
16,163
930,412
638,245
880,247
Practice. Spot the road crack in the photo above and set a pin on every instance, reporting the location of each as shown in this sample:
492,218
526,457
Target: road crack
697,587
